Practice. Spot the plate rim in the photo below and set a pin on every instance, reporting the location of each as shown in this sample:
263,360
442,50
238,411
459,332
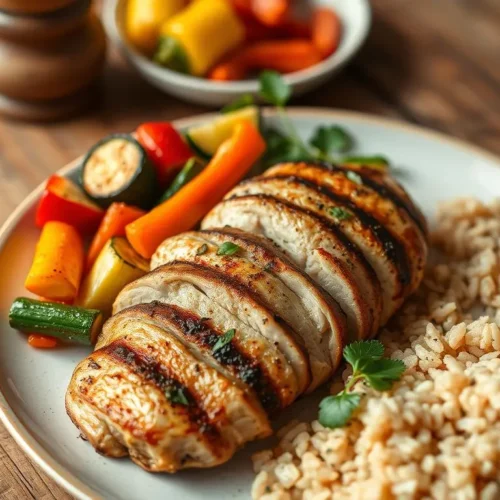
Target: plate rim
21,433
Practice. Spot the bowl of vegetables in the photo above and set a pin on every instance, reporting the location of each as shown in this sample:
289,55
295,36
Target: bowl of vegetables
210,51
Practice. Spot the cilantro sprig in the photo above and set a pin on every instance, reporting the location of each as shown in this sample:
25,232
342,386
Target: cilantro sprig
328,143
368,364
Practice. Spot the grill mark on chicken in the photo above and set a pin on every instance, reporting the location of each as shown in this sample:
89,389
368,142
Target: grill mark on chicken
198,331
380,188
393,248
244,291
337,233
154,373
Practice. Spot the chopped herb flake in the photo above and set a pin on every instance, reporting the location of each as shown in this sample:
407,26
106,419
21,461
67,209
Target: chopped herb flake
339,213
176,395
228,248
354,177
224,340
203,249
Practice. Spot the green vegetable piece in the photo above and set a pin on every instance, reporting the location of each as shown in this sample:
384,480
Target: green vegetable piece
176,395
273,88
170,54
242,102
367,160
202,250
70,323
336,411
191,169
339,213
382,373
331,140
354,177
228,248
224,340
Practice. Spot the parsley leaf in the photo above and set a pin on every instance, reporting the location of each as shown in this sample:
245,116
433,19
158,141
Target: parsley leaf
240,103
363,351
176,395
332,139
354,177
273,88
203,249
223,340
282,148
382,373
339,213
228,248
335,411
367,363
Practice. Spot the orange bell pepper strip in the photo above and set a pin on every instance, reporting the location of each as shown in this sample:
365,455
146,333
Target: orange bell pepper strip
186,208
42,341
117,217
57,267
285,56
326,31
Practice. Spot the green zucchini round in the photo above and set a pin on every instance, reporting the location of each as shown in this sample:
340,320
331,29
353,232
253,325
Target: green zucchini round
117,169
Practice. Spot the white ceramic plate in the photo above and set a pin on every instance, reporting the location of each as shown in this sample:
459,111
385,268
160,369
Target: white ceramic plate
33,382
356,22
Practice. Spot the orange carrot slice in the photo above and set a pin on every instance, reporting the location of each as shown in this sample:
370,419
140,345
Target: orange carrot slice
326,31
41,341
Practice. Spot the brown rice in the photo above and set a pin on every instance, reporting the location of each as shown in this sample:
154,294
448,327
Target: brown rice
436,434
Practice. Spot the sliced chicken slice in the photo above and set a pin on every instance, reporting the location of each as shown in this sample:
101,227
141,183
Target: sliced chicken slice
317,246
141,405
385,253
200,337
346,182
271,291
213,295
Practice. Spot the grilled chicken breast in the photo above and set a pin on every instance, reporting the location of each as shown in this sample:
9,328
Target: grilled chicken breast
236,321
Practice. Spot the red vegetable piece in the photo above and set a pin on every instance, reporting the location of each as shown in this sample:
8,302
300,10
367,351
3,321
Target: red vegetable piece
64,201
165,148
42,341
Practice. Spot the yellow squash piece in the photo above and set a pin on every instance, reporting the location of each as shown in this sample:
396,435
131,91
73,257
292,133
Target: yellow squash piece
144,18
57,267
206,31
117,265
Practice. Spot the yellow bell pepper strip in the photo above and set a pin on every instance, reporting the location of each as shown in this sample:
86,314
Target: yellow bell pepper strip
57,267
144,18
196,38
184,209
117,266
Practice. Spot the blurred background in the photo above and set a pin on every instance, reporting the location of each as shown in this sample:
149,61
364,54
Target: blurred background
64,84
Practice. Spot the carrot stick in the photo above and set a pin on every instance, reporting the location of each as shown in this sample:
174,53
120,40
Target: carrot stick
117,217
180,213
271,12
57,267
42,341
285,56
326,31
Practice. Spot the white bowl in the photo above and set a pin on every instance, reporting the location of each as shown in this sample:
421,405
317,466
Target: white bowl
356,21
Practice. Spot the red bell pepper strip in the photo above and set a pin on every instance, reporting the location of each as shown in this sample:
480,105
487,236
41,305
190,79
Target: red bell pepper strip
113,224
165,148
64,201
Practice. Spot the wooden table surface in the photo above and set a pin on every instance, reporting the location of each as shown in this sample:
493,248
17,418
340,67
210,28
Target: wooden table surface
431,62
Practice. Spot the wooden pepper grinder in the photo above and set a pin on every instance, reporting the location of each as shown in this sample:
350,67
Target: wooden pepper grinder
51,52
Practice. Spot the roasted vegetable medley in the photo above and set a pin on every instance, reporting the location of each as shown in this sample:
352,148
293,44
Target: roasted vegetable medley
231,39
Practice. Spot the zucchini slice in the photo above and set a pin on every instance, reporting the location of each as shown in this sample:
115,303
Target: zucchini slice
70,323
117,169
117,265
205,139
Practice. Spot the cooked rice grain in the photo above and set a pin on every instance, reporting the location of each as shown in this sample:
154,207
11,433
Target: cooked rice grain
436,434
